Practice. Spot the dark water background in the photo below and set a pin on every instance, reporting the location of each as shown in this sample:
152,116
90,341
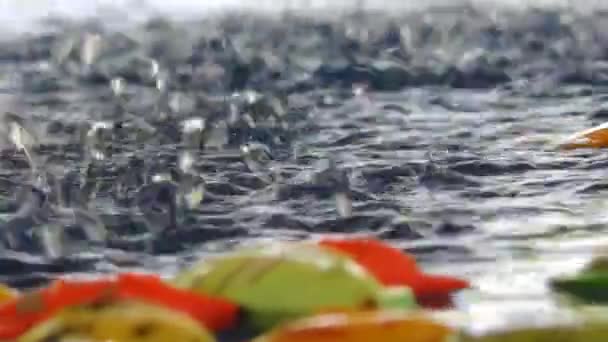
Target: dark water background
449,153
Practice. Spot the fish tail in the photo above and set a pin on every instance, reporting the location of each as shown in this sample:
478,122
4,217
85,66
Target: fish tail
52,241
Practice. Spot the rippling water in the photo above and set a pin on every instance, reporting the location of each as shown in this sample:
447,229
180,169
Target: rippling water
450,152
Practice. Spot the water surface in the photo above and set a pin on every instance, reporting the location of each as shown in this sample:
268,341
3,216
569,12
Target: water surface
450,151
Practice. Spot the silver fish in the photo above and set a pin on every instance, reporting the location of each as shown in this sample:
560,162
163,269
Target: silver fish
218,135
91,224
337,179
120,112
117,85
344,204
163,101
75,192
157,202
33,202
32,212
52,240
90,49
192,132
191,190
258,159
96,138
21,134
70,207
62,49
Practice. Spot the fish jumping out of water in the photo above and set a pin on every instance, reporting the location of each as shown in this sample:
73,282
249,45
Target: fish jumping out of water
72,205
157,201
78,53
21,134
96,139
32,212
44,213
192,133
162,105
337,179
166,198
258,159
120,113
192,186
